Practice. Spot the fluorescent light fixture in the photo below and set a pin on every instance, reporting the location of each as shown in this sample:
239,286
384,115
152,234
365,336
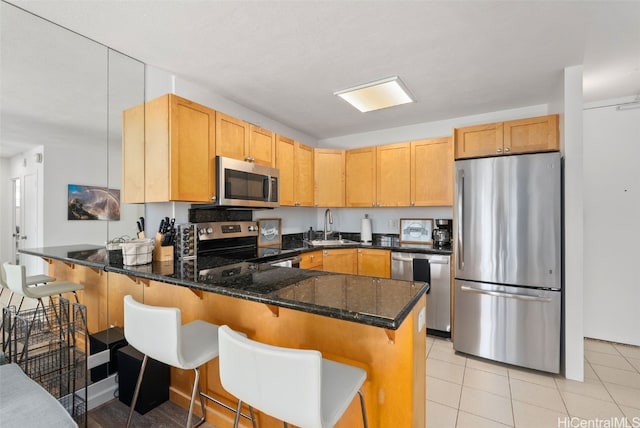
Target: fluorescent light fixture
383,93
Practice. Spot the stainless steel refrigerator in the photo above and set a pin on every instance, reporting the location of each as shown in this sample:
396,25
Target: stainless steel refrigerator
508,279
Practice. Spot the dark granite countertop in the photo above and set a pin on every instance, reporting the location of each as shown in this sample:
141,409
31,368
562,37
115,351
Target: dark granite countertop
372,301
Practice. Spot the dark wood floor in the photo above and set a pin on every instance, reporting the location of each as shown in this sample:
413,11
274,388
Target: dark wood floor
114,414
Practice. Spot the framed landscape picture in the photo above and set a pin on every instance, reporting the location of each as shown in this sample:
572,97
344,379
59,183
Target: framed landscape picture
269,232
416,230
92,203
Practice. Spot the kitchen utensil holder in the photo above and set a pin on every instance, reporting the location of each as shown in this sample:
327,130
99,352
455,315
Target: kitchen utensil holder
160,253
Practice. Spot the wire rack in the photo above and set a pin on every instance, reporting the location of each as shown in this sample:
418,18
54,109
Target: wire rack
49,344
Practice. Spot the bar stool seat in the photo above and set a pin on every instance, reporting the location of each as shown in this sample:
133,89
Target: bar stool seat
157,332
39,279
296,386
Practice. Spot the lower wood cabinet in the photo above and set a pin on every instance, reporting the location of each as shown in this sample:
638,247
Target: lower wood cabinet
312,260
340,260
374,262
357,261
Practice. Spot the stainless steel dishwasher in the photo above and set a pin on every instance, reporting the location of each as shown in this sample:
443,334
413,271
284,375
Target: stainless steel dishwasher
439,298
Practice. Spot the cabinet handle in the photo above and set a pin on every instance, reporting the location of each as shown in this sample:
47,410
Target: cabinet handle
499,150
413,203
507,149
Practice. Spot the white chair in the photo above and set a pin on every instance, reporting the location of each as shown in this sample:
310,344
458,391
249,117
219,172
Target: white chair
296,386
157,333
16,281
31,280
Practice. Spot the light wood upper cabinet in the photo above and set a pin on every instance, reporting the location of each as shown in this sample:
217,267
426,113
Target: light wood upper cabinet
476,141
262,146
360,181
340,260
232,136
240,140
393,175
536,134
374,262
178,151
295,162
432,172
133,155
328,167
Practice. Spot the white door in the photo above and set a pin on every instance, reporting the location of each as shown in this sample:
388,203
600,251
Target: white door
31,227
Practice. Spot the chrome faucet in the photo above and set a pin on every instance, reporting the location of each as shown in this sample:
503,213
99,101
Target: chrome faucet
327,214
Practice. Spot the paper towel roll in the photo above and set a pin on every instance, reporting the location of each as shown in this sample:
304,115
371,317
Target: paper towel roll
365,230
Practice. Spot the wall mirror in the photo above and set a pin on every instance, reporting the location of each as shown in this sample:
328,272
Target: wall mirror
62,97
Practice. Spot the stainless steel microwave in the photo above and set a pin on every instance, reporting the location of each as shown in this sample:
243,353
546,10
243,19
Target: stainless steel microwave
245,184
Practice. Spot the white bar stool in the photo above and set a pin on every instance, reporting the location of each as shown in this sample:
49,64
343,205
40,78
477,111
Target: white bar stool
31,280
157,332
294,385
16,279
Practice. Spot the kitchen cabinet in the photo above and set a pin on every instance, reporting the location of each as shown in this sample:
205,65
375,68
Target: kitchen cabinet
295,162
374,262
360,177
133,155
393,175
340,260
179,147
241,140
262,146
536,134
328,167
432,172
311,260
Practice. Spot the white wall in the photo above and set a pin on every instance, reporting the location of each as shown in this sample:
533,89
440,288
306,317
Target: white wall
612,231
573,224
5,211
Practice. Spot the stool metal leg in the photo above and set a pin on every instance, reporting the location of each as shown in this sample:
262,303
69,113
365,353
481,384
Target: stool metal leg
137,390
364,412
196,390
237,418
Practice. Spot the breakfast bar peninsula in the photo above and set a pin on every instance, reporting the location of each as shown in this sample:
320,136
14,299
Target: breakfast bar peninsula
376,324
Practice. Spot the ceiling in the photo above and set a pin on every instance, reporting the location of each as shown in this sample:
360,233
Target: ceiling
285,59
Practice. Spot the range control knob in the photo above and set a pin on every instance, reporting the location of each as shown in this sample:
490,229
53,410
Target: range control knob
253,228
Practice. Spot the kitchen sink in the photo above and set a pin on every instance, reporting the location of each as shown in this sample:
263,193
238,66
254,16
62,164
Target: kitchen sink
328,242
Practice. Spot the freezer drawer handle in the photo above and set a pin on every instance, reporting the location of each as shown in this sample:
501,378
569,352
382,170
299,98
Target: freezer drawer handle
506,295
460,219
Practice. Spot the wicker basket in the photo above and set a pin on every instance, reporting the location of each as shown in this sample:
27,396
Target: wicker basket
137,252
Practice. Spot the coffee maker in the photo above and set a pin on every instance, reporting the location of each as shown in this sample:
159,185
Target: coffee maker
441,234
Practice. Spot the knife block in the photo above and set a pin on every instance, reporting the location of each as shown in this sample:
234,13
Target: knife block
160,253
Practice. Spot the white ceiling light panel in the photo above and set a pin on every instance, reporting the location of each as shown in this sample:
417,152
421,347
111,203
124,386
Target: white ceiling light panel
377,95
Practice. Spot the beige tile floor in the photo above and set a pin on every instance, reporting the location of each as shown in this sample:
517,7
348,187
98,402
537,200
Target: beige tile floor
464,391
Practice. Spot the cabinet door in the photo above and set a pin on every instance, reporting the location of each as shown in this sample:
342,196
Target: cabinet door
192,145
311,260
372,262
133,155
536,134
360,181
340,260
303,175
393,178
478,141
232,137
261,146
157,171
285,162
328,166
432,172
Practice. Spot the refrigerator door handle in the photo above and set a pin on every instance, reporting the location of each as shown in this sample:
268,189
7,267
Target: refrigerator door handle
460,220
506,295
